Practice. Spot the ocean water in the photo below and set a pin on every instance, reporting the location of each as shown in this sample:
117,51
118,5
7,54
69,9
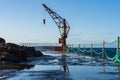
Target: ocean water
111,52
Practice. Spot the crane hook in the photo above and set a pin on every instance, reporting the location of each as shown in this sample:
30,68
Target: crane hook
44,21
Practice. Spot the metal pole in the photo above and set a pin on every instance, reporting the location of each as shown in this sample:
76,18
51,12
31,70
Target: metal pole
72,48
103,67
91,53
118,64
118,46
78,49
103,45
84,52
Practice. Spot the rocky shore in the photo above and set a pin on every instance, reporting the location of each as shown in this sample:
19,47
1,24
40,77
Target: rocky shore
13,53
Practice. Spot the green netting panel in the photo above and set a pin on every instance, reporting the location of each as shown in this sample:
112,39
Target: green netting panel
111,42
96,52
68,50
81,50
117,58
110,58
119,40
88,51
74,51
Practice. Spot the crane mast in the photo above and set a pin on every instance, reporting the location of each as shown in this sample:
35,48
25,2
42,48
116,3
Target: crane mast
62,25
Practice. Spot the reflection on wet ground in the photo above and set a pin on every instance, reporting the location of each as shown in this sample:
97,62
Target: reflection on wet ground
44,72
15,66
40,72
53,66
7,70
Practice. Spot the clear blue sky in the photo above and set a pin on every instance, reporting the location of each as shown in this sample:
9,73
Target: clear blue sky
90,20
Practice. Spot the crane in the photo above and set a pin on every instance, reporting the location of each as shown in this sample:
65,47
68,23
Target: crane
62,25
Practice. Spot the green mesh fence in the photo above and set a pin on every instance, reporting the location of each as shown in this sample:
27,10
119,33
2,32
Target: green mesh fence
111,42
81,50
96,52
116,57
88,51
109,58
68,50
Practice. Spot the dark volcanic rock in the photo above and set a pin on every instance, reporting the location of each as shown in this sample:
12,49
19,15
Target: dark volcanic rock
39,53
15,66
11,52
5,56
2,41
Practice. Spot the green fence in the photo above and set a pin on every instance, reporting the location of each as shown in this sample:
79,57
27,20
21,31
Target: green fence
103,52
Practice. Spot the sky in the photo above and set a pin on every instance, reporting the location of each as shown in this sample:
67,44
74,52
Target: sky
91,21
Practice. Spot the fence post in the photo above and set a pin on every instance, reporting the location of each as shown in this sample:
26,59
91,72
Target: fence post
117,50
118,47
91,52
103,45
84,52
72,48
78,49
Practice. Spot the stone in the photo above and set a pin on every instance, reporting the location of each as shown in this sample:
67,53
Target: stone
14,53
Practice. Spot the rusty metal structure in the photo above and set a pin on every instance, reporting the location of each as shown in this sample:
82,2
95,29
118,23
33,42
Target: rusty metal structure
62,25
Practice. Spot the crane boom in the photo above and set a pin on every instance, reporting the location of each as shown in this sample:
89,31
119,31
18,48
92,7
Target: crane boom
62,24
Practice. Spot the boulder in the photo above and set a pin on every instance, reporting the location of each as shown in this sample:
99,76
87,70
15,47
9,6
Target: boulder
5,56
14,53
